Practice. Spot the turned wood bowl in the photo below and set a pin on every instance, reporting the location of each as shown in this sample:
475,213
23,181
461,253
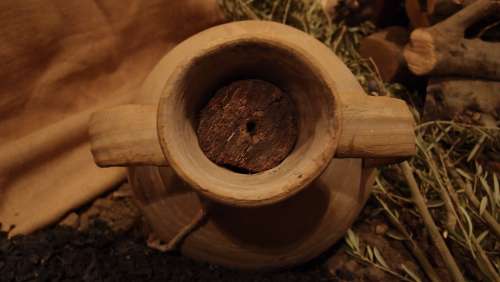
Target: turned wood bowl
296,209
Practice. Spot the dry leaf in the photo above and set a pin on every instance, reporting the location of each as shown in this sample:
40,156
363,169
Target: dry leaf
411,273
482,206
379,257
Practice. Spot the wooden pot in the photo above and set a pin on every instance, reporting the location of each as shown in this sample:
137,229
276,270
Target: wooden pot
156,137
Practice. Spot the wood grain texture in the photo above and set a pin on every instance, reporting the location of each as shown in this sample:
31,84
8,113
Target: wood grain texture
264,238
443,50
125,135
296,210
331,107
386,49
268,51
377,127
320,85
428,12
248,126
451,98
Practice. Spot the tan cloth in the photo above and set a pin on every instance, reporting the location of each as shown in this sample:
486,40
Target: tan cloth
59,61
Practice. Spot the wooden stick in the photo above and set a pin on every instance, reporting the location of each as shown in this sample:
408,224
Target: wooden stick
467,16
439,10
419,201
490,269
443,50
412,245
432,11
486,267
451,213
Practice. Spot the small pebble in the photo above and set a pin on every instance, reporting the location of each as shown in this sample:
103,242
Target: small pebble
71,220
381,229
352,4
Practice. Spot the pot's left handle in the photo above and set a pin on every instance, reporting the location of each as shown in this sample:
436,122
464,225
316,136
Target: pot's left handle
125,135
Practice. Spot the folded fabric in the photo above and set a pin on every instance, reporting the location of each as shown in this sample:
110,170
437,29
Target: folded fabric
59,62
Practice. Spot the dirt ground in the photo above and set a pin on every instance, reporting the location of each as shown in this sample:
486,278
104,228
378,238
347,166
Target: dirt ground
106,241
98,254
63,253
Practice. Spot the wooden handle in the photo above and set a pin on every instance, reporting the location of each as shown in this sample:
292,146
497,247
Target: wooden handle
377,127
125,135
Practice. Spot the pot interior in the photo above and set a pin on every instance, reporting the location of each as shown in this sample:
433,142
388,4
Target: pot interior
285,66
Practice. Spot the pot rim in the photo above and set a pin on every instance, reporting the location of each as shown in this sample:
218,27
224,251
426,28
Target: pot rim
221,184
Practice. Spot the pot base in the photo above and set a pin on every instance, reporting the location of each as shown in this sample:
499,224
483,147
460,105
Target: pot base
258,238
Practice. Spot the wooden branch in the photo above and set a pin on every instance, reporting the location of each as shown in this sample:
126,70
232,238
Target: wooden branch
411,244
419,202
467,16
429,12
443,50
386,49
488,269
451,213
452,98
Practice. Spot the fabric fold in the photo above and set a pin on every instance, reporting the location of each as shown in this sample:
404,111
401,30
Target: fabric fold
59,62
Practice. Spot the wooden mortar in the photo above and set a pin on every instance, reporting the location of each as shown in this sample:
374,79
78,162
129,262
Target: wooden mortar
156,137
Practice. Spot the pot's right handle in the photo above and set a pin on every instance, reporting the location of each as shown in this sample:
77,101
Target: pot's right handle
125,135
377,128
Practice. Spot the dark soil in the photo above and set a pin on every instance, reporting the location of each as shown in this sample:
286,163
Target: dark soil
100,254
63,254
111,246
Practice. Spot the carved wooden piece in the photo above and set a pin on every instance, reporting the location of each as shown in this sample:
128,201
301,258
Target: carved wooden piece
443,50
125,135
468,100
248,126
378,127
386,49
334,116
